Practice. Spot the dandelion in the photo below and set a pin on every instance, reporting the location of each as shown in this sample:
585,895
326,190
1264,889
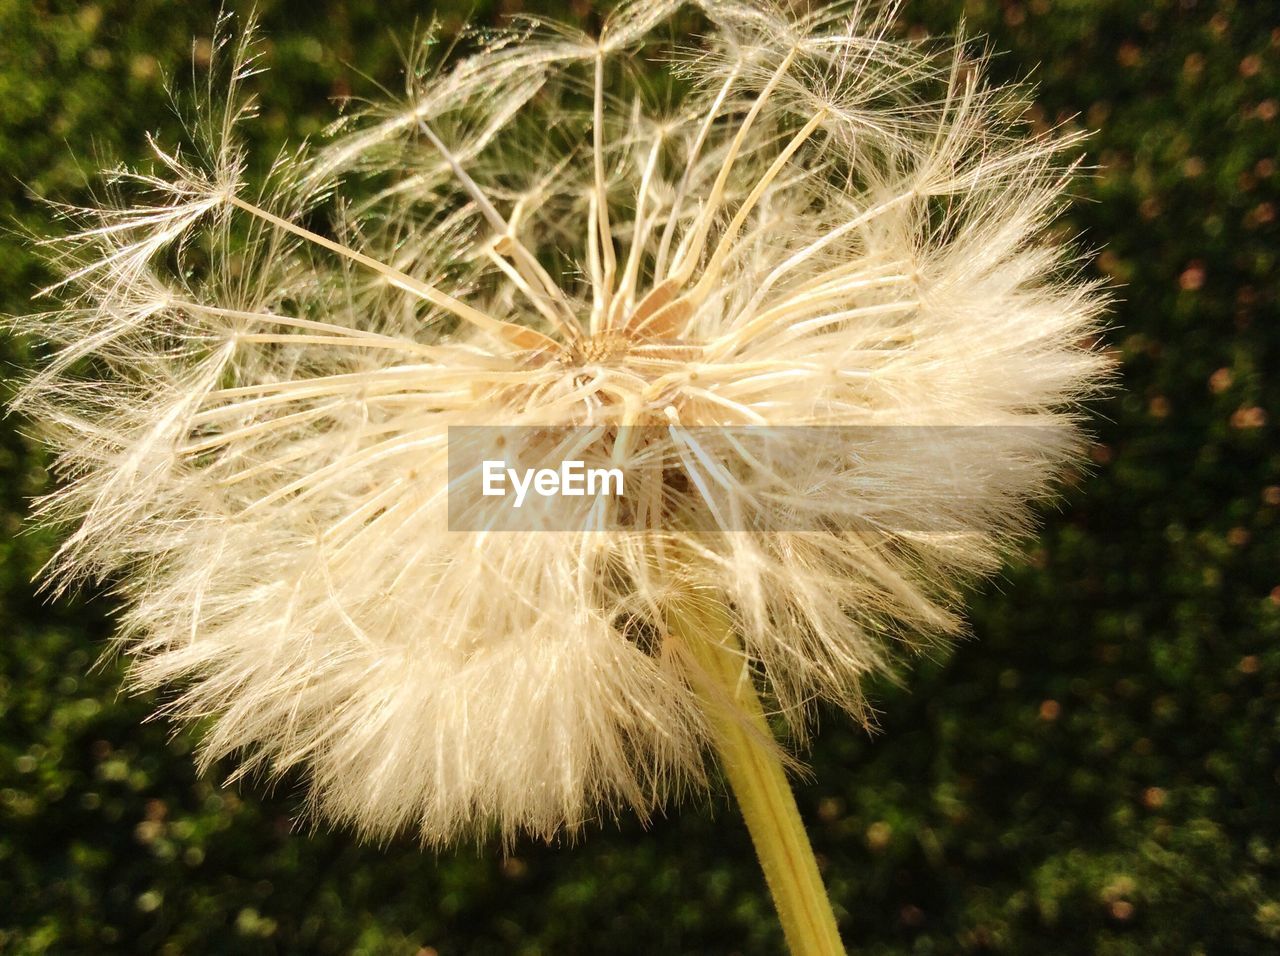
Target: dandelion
805,221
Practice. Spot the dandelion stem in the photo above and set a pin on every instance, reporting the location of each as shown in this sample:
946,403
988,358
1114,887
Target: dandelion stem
691,165
684,271
503,331
530,271
753,766
604,295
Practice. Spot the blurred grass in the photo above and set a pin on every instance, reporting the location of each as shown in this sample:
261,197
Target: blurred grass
1097,773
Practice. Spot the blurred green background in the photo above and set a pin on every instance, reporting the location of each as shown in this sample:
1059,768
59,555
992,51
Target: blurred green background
1095,773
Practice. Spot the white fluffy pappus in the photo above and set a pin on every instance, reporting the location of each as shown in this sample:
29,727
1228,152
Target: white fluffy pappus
804,221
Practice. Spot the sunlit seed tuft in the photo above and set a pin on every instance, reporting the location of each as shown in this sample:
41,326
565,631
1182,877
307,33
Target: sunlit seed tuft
822,225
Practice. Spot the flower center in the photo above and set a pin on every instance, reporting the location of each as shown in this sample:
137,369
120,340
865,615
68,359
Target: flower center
601,347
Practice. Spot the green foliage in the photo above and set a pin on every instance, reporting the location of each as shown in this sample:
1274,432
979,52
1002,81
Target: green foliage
1096,773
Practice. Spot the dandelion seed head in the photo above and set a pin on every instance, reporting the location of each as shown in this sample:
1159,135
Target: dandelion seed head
807,222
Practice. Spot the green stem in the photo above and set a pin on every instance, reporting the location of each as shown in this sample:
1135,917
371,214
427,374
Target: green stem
718,669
